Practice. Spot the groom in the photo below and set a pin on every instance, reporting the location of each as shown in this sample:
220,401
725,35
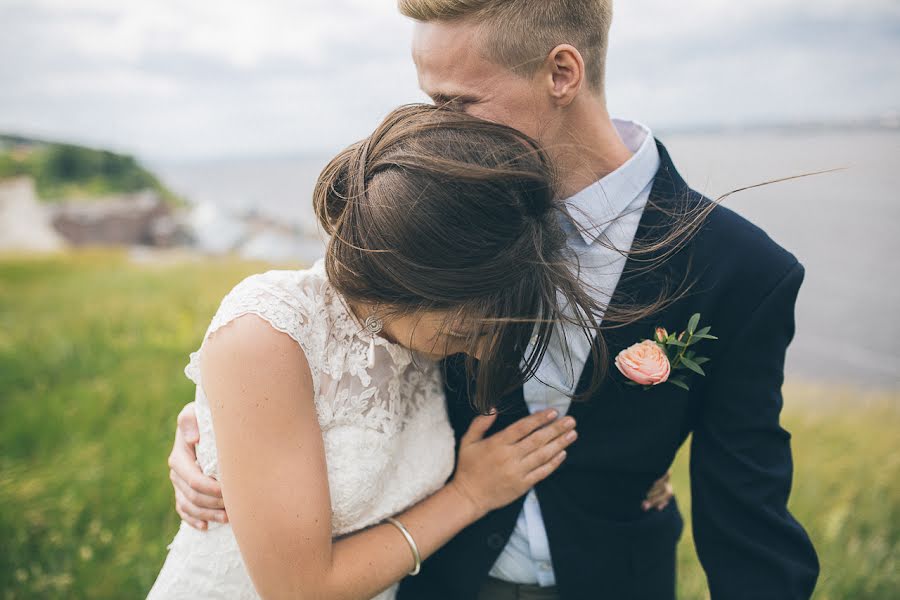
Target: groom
538,66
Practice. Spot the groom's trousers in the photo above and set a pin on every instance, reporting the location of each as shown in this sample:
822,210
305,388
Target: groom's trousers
495,589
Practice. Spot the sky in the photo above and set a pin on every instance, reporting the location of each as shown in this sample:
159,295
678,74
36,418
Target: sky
197,79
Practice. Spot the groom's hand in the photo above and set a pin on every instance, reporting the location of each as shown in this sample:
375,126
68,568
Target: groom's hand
198,497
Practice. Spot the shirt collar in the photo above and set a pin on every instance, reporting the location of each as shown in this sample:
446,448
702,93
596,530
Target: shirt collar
595,207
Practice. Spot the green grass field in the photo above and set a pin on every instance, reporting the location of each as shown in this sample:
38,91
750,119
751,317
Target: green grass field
92,349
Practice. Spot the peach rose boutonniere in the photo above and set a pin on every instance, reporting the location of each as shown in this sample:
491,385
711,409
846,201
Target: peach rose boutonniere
652,362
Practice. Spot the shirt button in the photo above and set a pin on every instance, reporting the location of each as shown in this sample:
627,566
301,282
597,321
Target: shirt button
495,541
534,340
545,566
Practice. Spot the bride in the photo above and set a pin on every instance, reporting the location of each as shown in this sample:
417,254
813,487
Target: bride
319,392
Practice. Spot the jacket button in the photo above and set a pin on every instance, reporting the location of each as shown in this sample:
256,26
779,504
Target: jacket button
495,541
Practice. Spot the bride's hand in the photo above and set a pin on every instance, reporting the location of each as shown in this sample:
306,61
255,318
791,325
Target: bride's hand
492,472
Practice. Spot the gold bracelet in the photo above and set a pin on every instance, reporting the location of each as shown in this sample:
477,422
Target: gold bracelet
411,542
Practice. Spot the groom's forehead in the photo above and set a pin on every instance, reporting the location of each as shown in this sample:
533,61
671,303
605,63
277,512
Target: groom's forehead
447,65
450,41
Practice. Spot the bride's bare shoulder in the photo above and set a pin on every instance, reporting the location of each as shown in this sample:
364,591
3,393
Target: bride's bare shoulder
249,353
250,333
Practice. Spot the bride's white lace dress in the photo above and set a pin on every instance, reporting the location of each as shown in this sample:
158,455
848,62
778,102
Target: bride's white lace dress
388,443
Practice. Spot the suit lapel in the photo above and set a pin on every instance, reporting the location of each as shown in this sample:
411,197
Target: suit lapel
638,286
643,278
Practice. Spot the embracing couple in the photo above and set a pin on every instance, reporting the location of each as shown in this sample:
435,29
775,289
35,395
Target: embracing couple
471,395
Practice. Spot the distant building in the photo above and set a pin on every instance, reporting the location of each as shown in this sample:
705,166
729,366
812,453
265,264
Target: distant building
25,223
139,219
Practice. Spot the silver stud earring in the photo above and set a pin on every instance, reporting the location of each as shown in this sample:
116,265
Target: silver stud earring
373,326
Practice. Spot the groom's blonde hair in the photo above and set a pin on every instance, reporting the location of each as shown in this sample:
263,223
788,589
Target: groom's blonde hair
519,34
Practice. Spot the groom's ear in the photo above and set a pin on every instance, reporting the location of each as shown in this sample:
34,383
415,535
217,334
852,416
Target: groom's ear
564,73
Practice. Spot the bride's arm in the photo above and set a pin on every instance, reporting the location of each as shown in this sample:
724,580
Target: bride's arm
275,481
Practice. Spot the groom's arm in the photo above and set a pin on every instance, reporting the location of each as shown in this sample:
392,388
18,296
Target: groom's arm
741,467
198,497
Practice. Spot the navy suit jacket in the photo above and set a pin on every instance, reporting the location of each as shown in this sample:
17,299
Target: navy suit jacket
602,544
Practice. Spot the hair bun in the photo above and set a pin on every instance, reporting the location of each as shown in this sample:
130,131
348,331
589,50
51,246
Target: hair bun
336,187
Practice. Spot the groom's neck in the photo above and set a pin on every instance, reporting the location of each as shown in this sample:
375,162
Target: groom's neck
585,145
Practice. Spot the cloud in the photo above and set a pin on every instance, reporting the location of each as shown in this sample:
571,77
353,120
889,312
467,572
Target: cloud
170,79
766,60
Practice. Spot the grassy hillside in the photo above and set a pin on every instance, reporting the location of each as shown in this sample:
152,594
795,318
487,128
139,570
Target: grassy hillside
66,171
92,349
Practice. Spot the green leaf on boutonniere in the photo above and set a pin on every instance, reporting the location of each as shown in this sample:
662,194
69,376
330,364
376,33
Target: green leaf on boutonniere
676,347
678,382
692,324
693,366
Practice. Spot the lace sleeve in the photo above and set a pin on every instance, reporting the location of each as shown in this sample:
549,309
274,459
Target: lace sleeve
290,312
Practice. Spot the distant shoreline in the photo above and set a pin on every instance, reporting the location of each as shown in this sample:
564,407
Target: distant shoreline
885,124
889,122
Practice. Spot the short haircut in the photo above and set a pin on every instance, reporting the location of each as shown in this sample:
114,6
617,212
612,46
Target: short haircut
519,34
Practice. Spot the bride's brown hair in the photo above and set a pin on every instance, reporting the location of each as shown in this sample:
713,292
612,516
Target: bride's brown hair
441,211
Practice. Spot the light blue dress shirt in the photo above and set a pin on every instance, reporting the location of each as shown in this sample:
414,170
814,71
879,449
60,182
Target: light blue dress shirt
607,213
